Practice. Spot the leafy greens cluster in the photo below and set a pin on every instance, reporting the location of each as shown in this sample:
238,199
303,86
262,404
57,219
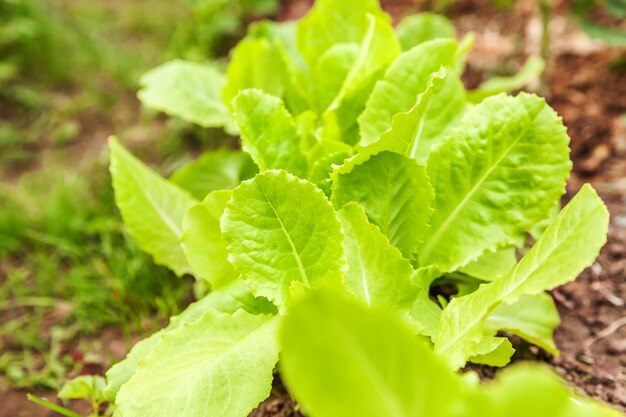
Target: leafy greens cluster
367,169
341,358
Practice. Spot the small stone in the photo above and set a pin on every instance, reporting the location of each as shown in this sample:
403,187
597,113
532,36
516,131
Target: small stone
619,220
585,359
596,269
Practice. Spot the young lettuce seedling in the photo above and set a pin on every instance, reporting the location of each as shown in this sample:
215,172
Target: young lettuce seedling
376,177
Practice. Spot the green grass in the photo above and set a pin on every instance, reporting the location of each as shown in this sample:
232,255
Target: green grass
62,61
69,72
67,264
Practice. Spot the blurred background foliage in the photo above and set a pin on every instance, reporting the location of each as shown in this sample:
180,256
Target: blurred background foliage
69,72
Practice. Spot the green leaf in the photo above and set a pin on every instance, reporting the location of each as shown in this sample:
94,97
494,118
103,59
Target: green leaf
533,318
376,52
340,123
216,170
377,272
220,365
202,240
370,360
282,230
415,132
395,193
329,73
269,133
493,351
255,63
491,265
342,359
407,77
322,157
495,176
333,22
52,406
531,70
530,390
227,299
187,90
295,82
84,387
378,48
152,208
425,313
569,244
422,27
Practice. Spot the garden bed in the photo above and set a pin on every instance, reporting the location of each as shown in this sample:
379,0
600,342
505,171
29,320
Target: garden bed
591,97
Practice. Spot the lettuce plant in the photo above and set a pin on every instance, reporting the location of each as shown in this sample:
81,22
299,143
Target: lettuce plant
365,169
341,358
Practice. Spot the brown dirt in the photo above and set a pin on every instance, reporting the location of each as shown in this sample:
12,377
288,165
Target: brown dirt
279,404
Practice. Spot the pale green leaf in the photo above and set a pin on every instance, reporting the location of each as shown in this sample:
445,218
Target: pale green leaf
87,387
376,367
532,69
282,230
322,157
341,123
255,63
415,132
530,390
406,129
202,240
495,176
395,193
152,208
268,132
307,126
491,265
377,272
296,81
569,244
220,365
407,77
425,313
538,229
422,27
122,372
333,22
342,359
329,73
227,299
465,47
376,52
187,90
533,318
493,351
217,170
